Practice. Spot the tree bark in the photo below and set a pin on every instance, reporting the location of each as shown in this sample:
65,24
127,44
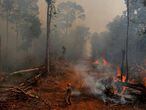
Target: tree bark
127,43
0,55
47,59
7,38
17,35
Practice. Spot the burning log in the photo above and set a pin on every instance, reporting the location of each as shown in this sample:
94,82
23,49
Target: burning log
139,91
138,87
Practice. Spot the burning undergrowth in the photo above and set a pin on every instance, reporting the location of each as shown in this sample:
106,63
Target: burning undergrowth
108,86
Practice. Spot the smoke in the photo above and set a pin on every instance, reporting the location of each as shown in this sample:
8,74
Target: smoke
88,81
97,85
97,82
92,80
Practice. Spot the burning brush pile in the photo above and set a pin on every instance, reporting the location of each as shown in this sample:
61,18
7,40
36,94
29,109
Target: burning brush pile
109,87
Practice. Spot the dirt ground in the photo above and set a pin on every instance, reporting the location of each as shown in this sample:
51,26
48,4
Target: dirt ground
50,91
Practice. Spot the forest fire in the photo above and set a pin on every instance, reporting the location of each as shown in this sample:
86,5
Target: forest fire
68,55
116,88
102,61
119,78
105,62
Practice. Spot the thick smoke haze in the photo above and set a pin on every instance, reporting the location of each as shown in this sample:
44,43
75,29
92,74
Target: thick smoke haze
101,24
98,12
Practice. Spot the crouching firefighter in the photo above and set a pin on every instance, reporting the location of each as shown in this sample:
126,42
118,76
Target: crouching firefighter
68,94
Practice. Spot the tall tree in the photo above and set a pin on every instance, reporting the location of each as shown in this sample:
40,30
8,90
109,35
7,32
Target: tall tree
127,41
137,18
7,6
27,21
23,14
50,10
68,33
0,54
69,12
144,2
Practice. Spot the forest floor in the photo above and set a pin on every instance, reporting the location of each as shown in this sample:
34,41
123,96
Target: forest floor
51,91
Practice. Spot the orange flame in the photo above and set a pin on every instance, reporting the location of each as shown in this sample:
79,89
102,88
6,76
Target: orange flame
117,78
105,62
118,74
96,62
124,78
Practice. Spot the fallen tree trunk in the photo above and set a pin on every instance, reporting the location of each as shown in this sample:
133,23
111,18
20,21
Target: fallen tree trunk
139,87
41,68
30,82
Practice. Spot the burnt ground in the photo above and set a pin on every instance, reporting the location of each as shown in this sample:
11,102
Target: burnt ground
50,92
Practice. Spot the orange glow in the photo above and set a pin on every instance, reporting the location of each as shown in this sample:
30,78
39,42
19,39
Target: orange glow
123,89
119,72
105,62
124,78
96,62
117,78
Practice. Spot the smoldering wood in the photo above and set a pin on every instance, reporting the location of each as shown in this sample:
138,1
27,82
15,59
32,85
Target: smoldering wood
122,62
139,87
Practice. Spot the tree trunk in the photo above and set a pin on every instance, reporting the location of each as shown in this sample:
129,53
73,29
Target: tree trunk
47,59
123,61
17,35
127,42
0,55
7,38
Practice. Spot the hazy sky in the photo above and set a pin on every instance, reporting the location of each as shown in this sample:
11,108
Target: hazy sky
98,12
